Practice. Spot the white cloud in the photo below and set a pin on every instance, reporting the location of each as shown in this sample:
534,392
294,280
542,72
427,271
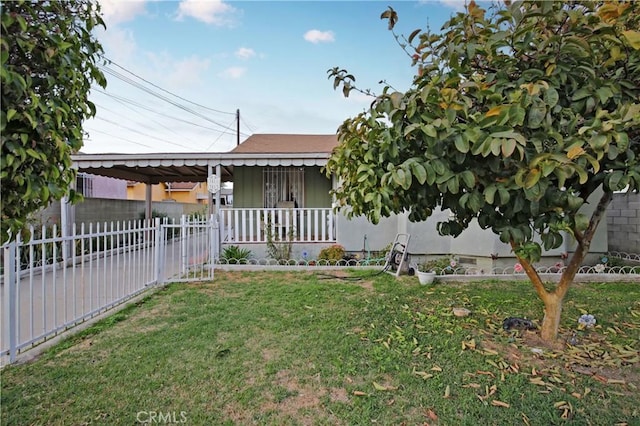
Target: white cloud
317,36
116,11
233,72
245,53
119,44
214,12
188,72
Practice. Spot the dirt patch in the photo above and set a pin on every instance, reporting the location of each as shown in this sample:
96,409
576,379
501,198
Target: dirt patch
367,285
304,399
339,395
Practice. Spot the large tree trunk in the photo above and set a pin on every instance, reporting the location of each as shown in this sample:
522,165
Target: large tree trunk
553,299
551,320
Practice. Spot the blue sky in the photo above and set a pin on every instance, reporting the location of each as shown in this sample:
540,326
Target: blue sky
269,59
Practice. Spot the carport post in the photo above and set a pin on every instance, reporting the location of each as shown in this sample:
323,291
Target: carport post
219,174
147,199
210,194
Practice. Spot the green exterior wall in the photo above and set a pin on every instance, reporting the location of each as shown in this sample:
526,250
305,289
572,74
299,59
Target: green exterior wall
247,187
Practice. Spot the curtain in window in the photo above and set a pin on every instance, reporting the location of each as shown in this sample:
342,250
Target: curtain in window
283,184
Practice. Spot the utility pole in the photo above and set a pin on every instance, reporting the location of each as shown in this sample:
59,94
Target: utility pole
238,127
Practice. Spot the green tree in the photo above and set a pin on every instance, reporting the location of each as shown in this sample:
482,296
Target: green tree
49,60
514,119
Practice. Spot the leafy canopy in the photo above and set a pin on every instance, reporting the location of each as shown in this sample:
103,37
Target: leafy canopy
49,61
514,118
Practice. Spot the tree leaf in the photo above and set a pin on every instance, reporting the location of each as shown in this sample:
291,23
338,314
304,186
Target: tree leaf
413,35
419,172
495,111
468,178
508,146
532,178
461,143
633,38
536,115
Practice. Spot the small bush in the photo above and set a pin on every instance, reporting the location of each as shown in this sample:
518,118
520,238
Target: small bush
333,253
441,266
235,255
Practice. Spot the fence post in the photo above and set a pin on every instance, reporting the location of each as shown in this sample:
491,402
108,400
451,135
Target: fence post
159,244
10,279
214,241
183,246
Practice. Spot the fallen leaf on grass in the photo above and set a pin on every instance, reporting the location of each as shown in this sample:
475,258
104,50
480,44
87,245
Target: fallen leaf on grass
472,385
447,392
471,344
537,381
616,382
380,387
432,415
423,374
497,403
360,393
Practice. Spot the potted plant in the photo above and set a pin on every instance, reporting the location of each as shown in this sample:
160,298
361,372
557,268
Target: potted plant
427,270
425,277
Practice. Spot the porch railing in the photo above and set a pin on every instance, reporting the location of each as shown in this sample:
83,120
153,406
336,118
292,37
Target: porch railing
252,225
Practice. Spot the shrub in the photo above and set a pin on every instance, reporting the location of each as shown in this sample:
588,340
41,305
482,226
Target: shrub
235,255
332,253
441,266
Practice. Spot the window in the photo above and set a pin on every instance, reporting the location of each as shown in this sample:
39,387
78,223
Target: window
283,184
84,184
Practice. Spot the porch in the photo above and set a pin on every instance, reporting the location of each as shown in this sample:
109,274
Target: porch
258,225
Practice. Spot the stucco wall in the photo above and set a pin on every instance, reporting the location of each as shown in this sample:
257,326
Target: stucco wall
106,187
623,223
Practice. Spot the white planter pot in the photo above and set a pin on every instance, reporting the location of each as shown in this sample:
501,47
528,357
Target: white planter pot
426,277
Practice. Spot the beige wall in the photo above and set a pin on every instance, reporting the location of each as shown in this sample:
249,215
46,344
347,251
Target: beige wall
159,192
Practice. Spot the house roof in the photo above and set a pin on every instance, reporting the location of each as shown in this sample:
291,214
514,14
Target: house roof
257,150
287,143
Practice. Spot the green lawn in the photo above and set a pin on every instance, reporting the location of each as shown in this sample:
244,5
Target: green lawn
350,348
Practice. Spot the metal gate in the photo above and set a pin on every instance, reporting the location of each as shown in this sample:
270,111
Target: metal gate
188,249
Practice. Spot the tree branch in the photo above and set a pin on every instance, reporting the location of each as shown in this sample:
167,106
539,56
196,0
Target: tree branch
532,274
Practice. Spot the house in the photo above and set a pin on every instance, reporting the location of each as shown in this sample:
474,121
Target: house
181,192
281,193
308,188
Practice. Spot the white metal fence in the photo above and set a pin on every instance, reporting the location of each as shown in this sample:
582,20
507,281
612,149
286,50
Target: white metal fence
52,283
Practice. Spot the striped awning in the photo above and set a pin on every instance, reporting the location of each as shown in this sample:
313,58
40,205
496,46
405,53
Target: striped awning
185,167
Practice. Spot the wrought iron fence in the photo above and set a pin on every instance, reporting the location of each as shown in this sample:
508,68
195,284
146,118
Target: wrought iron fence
52,283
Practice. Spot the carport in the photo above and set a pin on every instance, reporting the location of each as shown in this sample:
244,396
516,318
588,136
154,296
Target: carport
154,168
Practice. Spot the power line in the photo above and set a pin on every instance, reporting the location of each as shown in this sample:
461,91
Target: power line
119,137
166,91
122,99
246,124
216,140
159,96
137,122
142,133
